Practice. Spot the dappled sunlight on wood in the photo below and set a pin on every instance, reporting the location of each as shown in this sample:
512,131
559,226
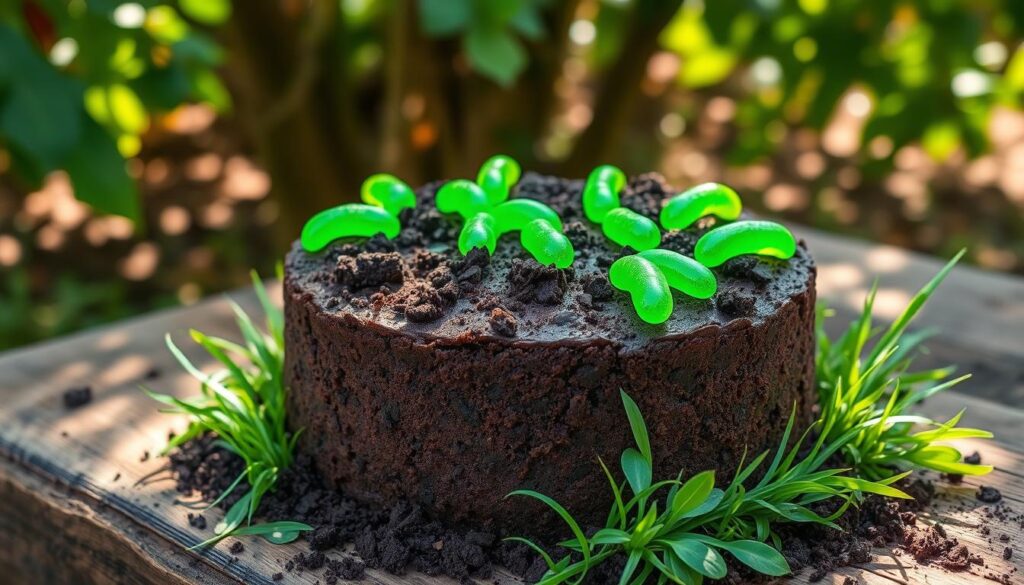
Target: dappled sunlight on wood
836,278
883,260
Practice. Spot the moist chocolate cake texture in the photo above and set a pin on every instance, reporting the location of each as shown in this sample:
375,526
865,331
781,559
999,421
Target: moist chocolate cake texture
421,374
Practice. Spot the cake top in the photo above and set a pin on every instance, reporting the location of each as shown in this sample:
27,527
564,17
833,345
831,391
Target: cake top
418,281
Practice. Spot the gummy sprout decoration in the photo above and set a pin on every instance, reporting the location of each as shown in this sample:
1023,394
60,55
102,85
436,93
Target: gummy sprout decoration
389,192
626,227
344,221
513,215
489,214
683,210
479,232
496,177
384,196
547,244
646,285
463,197
683,273
764,238
601,192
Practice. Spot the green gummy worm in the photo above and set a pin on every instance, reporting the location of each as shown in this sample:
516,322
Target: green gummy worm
681,211
764,238
497,176
546,244
601,192
646,285
479,232
514,214
683,273
344,221
463,197
626,227
389,192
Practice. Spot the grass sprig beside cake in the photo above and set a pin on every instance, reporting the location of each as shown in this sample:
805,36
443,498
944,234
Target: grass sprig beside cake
244,405
866,388
865,441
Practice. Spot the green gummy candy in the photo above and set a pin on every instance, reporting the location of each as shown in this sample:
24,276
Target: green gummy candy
764,238
646,285
683,273
513,215
463,197
546,244
497,176
681,211
626,227
389,192
601,192
344,221
479,232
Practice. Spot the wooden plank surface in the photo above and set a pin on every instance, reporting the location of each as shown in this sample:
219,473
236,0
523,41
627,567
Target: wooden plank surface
75,471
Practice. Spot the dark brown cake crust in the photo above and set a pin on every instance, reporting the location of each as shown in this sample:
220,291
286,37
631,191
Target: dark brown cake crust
419,374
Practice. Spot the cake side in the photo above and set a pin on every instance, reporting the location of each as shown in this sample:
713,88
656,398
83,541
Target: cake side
450,381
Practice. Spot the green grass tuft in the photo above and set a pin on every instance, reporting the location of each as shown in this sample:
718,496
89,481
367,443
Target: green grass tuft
244,405
866,389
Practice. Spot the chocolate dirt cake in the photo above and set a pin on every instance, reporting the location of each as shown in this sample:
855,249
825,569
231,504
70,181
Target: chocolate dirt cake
422,374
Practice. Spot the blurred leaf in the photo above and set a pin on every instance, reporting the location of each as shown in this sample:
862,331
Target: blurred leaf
98,173
165,25
527,22
163,88
941,139
444,17
126,109
40,112
1014,76
495,54
704,62
210,12
209,88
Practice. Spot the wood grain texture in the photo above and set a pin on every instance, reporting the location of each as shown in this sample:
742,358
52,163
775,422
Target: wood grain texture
71,512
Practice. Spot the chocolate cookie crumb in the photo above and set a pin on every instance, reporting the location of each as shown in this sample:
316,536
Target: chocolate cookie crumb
735,302
531,282
1007,553
197,521
989,495
369,269
502,322
237,548
77,397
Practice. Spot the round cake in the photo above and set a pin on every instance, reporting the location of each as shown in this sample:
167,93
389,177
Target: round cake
449,380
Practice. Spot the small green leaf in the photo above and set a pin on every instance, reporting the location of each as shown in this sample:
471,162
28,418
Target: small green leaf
693,493
699,557
636,469
210,12
756,555
496,54
637,425
709,504
609,536
275,532
444,17
208,87
165,25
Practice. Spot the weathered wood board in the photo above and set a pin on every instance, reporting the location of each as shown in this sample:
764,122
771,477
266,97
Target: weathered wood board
70,509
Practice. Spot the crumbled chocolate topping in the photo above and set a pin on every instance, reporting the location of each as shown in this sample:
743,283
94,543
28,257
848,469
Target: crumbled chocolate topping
369,269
